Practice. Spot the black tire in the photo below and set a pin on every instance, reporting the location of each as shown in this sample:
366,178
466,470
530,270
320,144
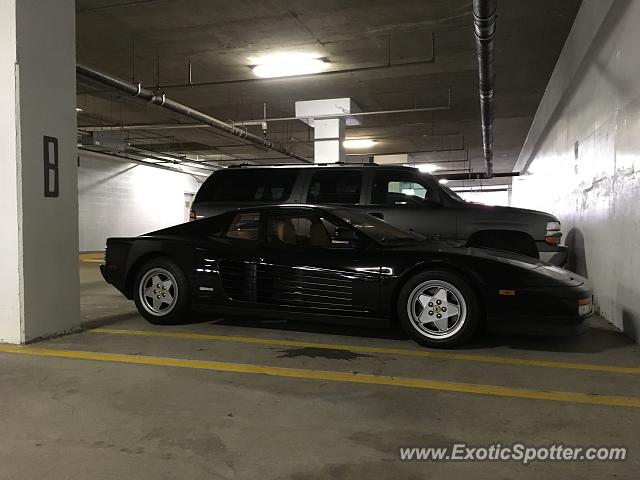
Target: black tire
180,309
458,329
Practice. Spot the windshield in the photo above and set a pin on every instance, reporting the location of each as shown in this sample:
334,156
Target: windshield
377,229
452,194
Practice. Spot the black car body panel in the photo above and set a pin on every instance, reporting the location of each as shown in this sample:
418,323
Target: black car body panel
350,285
439,213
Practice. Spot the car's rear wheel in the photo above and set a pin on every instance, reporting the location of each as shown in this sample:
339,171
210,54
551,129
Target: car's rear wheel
438,309
162,292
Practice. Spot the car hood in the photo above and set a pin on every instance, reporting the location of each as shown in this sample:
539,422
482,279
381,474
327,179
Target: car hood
507,211
540,269
461,248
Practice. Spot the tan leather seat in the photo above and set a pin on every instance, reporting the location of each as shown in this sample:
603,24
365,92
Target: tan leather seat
285,232
318,235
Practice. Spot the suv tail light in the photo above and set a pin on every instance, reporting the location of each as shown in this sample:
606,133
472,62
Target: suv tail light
585,306
192,215
553,234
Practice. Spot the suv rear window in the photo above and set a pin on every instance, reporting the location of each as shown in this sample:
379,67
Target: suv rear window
263,185
335,186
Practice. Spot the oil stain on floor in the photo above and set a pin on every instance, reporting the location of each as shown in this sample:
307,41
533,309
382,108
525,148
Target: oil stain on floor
312,352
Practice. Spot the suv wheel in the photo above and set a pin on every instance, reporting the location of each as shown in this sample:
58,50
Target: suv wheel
162,292
438,309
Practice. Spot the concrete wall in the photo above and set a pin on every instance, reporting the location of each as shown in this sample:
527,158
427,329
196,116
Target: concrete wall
582,155
117,198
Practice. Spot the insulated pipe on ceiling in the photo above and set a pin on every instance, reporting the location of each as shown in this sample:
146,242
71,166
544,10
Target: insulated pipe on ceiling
484,19
168,126
161,100
109,155
473,176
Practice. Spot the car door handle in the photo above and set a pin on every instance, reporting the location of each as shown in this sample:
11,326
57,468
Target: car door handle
380,215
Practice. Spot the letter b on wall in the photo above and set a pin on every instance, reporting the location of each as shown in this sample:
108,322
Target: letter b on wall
51,171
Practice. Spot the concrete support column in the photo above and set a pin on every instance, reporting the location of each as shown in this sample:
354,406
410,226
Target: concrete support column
39,286
328,140
329,133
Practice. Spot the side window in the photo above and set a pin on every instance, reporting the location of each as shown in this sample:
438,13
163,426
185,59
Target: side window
304,230
213,227
336,186
248,185
400,188
244,226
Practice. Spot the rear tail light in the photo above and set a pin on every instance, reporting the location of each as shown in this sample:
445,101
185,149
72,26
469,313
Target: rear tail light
192,215
585,306
553,234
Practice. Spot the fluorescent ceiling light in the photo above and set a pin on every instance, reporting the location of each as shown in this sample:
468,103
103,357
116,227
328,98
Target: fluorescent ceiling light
443,181
78,109
359,143
424,167
287,64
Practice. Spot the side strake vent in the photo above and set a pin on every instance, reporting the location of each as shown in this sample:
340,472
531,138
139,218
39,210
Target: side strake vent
238,279
300,286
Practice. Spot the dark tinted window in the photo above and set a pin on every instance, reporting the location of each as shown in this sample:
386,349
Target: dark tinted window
401,188
245,226
335,186
262,185
213,226
302,229
381,231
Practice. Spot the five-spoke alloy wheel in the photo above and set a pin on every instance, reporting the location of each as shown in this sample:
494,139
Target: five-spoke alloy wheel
161,292
158,291
438,309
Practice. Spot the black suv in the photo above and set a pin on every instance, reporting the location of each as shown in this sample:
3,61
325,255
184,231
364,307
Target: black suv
400,195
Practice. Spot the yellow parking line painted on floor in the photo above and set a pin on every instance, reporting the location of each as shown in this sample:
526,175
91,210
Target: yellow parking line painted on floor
97,257
385,350
493,390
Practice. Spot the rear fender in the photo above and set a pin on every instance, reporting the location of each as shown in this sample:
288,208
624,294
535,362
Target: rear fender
145,249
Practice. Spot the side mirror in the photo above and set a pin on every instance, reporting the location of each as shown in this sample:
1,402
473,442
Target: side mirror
345,234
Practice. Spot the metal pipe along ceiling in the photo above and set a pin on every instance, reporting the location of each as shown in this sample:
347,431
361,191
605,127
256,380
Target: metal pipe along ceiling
484,19
168,126
161,100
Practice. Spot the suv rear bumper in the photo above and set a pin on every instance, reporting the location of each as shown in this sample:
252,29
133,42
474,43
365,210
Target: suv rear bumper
555,254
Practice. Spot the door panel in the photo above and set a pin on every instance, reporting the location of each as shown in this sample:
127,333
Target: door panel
304,286
427,221
303,264
339,281
410,201
236,254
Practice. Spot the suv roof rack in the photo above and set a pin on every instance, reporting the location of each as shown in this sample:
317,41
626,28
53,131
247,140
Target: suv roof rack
298,165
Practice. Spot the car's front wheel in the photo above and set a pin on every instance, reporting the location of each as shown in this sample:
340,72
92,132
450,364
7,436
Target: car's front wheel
438,309
162,292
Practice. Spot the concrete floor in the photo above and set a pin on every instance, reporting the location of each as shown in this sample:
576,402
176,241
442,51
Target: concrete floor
71,418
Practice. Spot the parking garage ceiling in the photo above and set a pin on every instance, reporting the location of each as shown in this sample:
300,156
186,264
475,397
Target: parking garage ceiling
422,53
